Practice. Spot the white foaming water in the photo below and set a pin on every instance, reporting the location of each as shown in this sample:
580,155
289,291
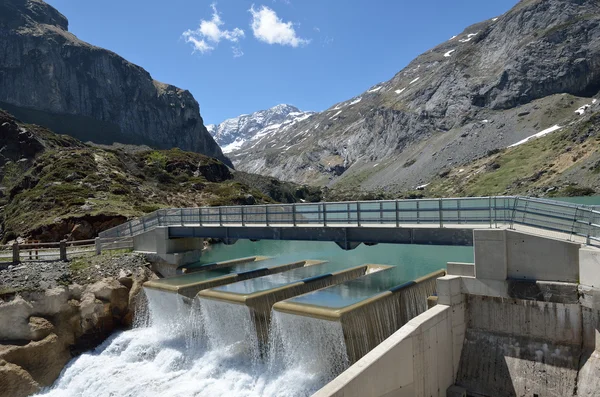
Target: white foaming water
168,311
230,326
162,359
317,344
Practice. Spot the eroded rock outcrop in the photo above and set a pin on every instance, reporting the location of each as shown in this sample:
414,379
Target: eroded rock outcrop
41,331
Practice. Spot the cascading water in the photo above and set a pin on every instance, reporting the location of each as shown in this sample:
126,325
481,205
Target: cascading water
170,353
168,311
310,342
230,326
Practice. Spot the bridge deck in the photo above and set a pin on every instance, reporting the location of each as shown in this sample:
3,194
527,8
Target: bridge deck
428,221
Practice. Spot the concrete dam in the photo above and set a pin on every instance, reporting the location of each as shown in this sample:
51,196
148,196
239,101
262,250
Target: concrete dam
522,319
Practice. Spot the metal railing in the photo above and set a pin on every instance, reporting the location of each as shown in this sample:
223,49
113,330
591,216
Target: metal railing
564,219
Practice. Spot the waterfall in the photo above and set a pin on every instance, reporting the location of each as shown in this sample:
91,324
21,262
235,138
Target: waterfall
168,312
230,326
316,345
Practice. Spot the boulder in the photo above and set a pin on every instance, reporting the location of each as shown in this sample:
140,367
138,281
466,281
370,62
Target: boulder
95,315
16,313
15,381
43,360
50,302
39,328
110,290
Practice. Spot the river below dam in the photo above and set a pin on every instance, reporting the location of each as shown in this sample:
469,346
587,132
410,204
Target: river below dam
164,357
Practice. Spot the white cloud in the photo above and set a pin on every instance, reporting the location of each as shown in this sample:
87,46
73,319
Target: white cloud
237,51
209,34
269,28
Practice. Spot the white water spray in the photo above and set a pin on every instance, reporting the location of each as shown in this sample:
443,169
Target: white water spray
171,354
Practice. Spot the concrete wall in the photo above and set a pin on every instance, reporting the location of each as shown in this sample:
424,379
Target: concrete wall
460,269
414,361
589,267
421,359
502,254
158,241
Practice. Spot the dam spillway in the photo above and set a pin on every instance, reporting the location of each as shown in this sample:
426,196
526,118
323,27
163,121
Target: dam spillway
258,295
204,277
173,354
369,308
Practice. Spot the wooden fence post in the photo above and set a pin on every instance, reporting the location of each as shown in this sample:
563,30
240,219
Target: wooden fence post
63,250
98,245
16,258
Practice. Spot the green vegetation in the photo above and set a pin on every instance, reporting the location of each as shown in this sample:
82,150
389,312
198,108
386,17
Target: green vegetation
79,264
536,167
574,191
67,181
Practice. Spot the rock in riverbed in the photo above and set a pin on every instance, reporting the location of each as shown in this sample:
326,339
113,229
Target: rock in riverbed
41,330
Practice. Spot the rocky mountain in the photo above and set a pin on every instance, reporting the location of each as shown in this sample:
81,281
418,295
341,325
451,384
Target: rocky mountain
495,84
55,187
246,130
50,77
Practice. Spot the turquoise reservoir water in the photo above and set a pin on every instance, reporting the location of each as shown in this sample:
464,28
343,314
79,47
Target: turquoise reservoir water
588,200
280,279
411,261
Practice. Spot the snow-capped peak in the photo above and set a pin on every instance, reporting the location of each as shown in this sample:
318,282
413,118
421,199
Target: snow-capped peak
233,133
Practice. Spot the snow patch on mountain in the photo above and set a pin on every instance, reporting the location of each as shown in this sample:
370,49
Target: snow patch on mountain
234,133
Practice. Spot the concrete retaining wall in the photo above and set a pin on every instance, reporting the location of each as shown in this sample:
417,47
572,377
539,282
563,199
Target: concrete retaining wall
158,241
420,359
414,361
502,254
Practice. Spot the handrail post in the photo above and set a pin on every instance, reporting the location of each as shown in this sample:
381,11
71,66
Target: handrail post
381,212
324,214
130,229
496,211
514,213
143,223
491,214
590,223
267,215
294,214
458,211
358,213
15,249
242,209
397,214
220,216
573,224
181,216
348,213
418,214
200,216
441,209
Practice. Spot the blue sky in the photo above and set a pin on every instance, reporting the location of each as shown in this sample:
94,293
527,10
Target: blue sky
251,55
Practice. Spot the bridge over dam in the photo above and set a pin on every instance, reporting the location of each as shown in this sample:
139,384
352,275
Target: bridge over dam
176,235
522,319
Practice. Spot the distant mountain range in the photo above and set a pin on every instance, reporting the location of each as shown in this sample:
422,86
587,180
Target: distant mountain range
495,84
249,129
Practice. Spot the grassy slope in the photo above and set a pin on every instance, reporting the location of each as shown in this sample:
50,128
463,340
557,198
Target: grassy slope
563,163
69,180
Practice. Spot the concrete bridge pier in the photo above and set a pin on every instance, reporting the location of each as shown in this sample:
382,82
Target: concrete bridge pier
168,254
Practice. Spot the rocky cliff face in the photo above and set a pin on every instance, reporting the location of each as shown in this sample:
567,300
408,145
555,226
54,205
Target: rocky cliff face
50,77
495,84
247,129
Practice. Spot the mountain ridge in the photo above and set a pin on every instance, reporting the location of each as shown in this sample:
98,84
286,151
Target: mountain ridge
238,132
492,85
52,78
